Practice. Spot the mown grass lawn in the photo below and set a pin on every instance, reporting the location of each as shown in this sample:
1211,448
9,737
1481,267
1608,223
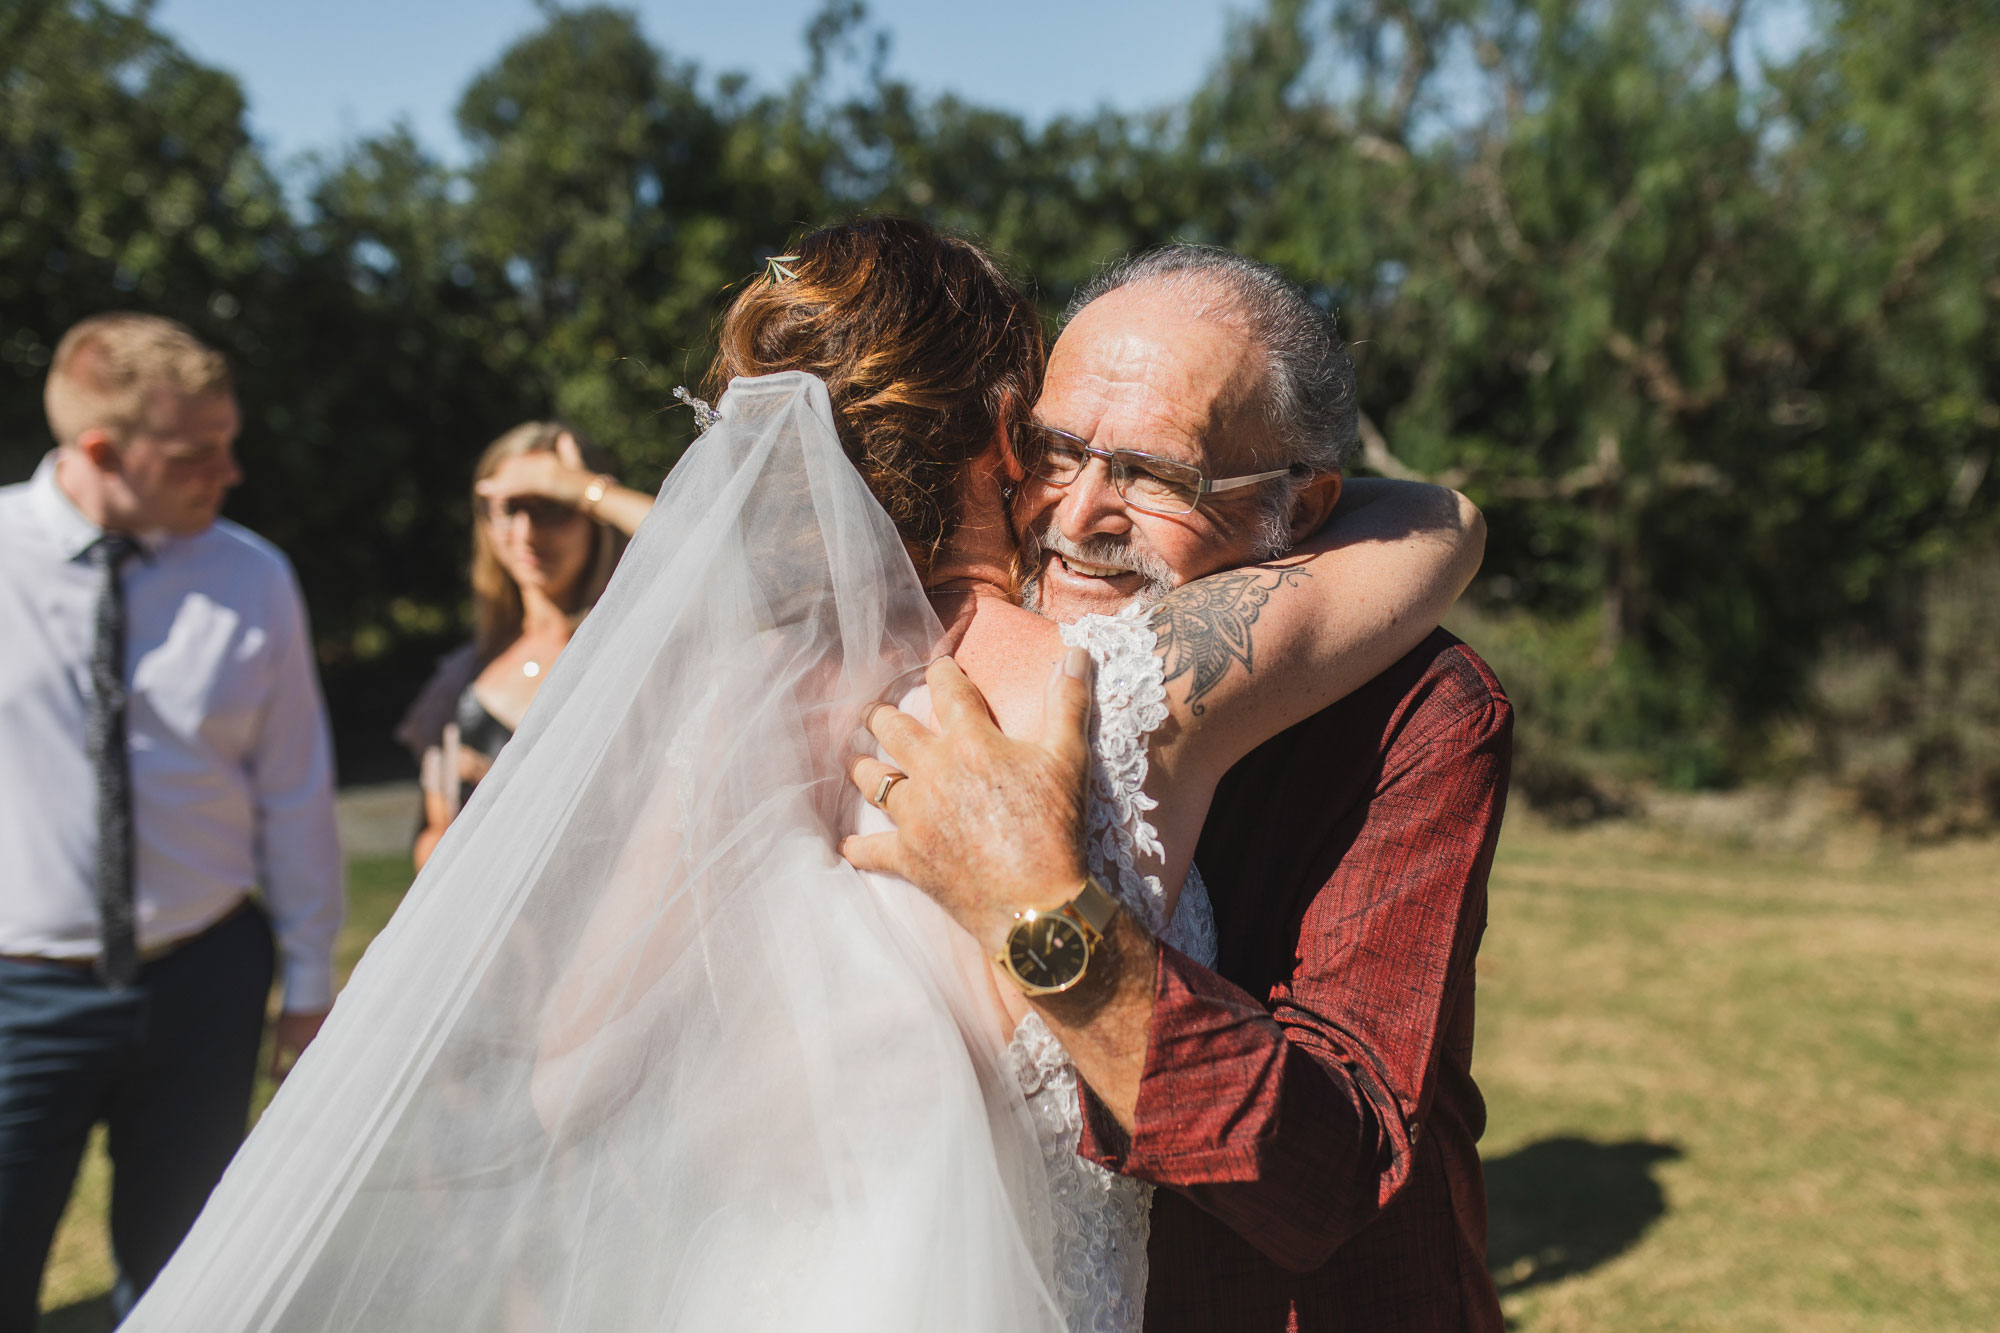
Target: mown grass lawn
1728,1090
1732,1091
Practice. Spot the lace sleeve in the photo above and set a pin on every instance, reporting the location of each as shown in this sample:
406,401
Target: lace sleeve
1131,705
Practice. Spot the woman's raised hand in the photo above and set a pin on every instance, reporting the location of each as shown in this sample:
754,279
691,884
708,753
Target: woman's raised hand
562,475
559,475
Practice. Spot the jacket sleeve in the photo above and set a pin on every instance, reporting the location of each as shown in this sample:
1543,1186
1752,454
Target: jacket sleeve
1292,1120
424,721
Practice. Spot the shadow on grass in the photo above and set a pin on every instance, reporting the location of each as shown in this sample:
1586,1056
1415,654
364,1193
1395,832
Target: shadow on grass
1563,1206
91,1316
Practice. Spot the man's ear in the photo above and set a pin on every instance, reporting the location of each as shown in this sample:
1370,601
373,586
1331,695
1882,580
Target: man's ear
100,446
1313,504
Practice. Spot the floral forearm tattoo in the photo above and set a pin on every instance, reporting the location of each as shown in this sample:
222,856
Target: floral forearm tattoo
1203,628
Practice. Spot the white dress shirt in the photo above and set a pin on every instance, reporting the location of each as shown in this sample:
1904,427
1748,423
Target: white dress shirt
232,766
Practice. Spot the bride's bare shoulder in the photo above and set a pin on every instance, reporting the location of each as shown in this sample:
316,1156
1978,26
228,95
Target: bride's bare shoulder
1008,652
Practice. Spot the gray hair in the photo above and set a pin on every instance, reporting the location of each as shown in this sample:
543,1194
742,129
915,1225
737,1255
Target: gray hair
1309,390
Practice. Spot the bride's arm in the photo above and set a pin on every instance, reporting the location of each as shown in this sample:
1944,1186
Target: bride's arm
1251,651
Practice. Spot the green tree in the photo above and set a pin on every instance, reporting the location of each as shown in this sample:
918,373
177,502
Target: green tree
126,178
129,180
1635,298
1711,337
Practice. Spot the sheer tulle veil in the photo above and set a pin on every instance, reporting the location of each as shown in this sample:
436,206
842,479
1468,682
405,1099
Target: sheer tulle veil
639,1051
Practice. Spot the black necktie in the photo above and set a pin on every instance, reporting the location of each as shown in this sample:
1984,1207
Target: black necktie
111,764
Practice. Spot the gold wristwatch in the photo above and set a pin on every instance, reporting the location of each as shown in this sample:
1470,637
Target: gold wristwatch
1048,951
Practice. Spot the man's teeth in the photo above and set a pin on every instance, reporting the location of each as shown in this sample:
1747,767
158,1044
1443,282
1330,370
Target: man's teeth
1090,571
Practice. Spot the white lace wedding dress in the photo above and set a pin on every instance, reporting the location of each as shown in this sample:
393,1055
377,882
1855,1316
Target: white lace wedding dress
1102,1218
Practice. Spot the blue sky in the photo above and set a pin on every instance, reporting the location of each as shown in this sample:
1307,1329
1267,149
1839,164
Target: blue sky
319,74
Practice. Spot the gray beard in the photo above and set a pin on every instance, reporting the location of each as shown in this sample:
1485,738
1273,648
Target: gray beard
1037,547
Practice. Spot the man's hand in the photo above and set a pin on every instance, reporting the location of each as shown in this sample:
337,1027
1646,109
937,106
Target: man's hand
289,1038
987,825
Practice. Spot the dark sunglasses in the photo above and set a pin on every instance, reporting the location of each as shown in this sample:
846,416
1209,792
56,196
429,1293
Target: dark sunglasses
541,511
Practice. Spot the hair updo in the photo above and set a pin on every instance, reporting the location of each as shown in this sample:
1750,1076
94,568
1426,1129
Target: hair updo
926,348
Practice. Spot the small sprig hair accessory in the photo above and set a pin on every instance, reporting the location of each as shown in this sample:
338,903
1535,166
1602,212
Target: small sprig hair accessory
775,268
704,415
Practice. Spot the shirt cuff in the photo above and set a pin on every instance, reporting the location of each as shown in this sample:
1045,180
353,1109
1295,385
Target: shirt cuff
308,985
1206,1093
1103,1141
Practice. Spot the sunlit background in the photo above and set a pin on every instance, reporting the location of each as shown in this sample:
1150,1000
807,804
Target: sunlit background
1699,301
316,76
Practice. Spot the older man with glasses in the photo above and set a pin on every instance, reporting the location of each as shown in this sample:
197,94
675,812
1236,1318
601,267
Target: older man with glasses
1308,1105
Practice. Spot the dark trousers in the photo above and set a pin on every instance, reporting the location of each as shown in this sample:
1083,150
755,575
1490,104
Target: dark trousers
167,1065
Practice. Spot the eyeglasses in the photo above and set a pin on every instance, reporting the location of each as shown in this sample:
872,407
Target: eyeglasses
1144,481
541,511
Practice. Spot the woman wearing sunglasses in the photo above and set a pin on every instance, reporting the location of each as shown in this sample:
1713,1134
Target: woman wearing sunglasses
549,523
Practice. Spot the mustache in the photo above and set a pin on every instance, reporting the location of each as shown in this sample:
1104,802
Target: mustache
1117,552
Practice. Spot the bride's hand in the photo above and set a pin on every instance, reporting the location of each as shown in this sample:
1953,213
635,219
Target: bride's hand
987,825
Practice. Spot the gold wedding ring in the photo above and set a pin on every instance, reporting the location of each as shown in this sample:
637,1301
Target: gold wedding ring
889,780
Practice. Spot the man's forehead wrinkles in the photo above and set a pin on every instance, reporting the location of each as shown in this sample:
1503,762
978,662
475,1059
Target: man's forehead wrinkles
1116,412
1143,372
1145,424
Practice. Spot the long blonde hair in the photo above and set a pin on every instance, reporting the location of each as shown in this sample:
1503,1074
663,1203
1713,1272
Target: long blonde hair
496,597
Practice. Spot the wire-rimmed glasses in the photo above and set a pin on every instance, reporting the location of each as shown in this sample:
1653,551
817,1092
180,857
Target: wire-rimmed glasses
1144,481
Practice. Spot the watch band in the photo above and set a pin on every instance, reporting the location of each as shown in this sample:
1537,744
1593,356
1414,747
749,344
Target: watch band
1093,905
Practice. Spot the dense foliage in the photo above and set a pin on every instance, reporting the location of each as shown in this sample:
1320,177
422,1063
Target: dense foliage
1710,333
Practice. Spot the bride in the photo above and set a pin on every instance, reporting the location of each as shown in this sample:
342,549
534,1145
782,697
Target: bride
639,1050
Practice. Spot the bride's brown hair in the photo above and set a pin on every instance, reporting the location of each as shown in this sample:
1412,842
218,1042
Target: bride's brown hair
926,348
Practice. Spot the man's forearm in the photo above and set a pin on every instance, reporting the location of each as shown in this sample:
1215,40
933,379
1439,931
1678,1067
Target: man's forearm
1104,1023
1265,1123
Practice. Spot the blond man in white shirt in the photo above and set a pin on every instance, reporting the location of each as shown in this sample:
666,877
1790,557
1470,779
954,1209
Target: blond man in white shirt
163,757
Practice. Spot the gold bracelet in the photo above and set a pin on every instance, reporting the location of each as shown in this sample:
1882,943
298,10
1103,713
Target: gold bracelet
594,492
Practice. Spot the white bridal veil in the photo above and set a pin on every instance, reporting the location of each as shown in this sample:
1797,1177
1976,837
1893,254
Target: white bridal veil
639,1051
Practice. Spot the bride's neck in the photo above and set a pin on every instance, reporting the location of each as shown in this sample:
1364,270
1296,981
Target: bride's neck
979,558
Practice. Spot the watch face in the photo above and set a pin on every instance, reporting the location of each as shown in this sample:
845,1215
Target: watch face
1047,952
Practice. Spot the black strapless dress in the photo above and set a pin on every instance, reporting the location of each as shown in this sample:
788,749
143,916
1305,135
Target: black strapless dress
478,729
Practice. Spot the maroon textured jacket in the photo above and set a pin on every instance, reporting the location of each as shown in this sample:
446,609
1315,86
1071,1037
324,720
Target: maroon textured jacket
1311,1110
